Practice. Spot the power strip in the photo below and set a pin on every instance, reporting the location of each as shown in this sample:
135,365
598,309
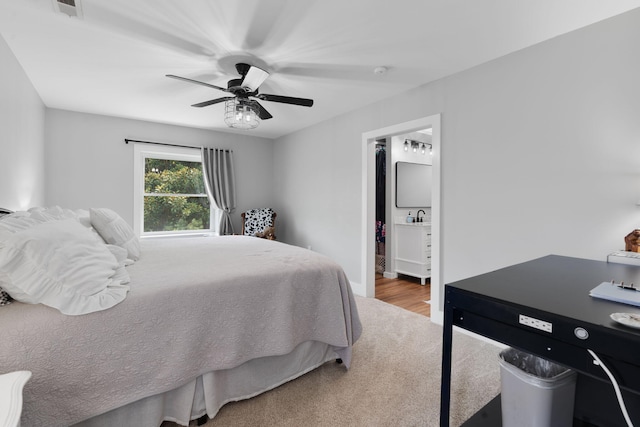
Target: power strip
624,257
535,323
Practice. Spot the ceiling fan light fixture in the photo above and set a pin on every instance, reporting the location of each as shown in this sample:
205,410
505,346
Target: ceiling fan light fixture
240,113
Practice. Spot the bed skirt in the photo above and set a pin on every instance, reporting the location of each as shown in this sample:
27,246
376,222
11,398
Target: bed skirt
209,392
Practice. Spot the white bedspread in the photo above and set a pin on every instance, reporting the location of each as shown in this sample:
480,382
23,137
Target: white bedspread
195,305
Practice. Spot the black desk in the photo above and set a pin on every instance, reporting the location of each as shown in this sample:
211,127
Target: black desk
554,289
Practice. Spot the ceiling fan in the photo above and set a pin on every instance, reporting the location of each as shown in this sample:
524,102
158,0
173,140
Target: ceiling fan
243,106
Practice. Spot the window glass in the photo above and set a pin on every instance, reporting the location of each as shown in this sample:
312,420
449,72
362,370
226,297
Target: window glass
174,196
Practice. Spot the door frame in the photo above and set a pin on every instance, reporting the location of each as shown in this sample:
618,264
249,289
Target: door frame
368,207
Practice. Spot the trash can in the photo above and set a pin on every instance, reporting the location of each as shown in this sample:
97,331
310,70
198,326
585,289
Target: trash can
535,391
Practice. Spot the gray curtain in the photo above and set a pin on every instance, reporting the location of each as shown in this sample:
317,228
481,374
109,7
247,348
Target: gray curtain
219,181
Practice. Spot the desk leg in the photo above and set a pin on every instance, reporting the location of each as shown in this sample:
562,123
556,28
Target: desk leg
445,386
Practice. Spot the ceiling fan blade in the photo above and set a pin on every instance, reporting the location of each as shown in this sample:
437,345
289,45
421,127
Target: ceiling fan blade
197,82
213,101
262,113
254,78
286,99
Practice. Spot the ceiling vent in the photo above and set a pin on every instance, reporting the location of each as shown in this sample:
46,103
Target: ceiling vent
71,8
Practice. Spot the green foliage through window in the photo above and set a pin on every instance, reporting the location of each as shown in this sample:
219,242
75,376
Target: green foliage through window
174,196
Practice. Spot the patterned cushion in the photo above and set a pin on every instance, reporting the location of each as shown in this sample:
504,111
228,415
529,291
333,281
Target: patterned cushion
256,220
5,298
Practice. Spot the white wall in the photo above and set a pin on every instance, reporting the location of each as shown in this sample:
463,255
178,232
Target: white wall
317,173
540,154
21,136
89,164
541,151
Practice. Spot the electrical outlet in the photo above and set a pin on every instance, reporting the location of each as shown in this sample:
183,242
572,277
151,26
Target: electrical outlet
535,323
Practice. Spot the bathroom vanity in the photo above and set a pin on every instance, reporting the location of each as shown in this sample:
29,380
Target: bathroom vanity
413,249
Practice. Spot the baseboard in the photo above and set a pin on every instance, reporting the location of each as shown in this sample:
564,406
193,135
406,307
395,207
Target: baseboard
358,289
390,275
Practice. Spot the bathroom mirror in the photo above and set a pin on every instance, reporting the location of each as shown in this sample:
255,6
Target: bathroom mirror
413,185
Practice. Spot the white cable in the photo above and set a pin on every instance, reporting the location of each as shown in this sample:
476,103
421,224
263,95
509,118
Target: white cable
623,408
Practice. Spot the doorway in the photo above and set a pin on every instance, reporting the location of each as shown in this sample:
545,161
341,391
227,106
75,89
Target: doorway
403,188
368,244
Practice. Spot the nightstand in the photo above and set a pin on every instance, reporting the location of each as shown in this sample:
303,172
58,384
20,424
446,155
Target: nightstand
11,386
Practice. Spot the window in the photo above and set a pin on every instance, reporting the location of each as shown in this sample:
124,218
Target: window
170,196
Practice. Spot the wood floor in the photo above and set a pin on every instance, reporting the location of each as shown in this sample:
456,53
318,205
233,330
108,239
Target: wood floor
405,292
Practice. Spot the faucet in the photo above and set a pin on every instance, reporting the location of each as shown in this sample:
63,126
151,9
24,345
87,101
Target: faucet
418,219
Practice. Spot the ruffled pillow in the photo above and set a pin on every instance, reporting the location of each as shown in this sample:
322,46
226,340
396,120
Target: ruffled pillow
120,255
115,231
15,222
61,264
21,220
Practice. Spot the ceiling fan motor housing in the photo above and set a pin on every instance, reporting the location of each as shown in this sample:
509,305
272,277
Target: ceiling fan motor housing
234,84
242,68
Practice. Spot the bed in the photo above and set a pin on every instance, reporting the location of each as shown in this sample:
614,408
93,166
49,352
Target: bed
204,321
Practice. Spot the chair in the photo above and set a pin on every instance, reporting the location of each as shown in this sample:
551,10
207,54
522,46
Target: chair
259,223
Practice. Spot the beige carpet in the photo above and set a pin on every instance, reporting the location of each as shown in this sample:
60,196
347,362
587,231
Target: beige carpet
394,379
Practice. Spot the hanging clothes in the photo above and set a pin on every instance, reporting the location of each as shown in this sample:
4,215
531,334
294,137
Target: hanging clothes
381,179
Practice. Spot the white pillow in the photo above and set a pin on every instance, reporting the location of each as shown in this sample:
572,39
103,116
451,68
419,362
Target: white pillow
61,264
55,213
115,230
47,214
120,255
16,222
83,217
22,220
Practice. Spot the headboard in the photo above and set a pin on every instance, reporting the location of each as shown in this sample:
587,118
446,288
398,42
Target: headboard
4,212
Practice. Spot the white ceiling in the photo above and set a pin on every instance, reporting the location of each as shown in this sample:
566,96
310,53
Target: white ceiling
113,61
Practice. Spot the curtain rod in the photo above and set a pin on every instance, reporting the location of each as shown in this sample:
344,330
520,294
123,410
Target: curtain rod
126,141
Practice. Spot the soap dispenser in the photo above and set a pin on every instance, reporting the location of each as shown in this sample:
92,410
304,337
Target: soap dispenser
409,217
